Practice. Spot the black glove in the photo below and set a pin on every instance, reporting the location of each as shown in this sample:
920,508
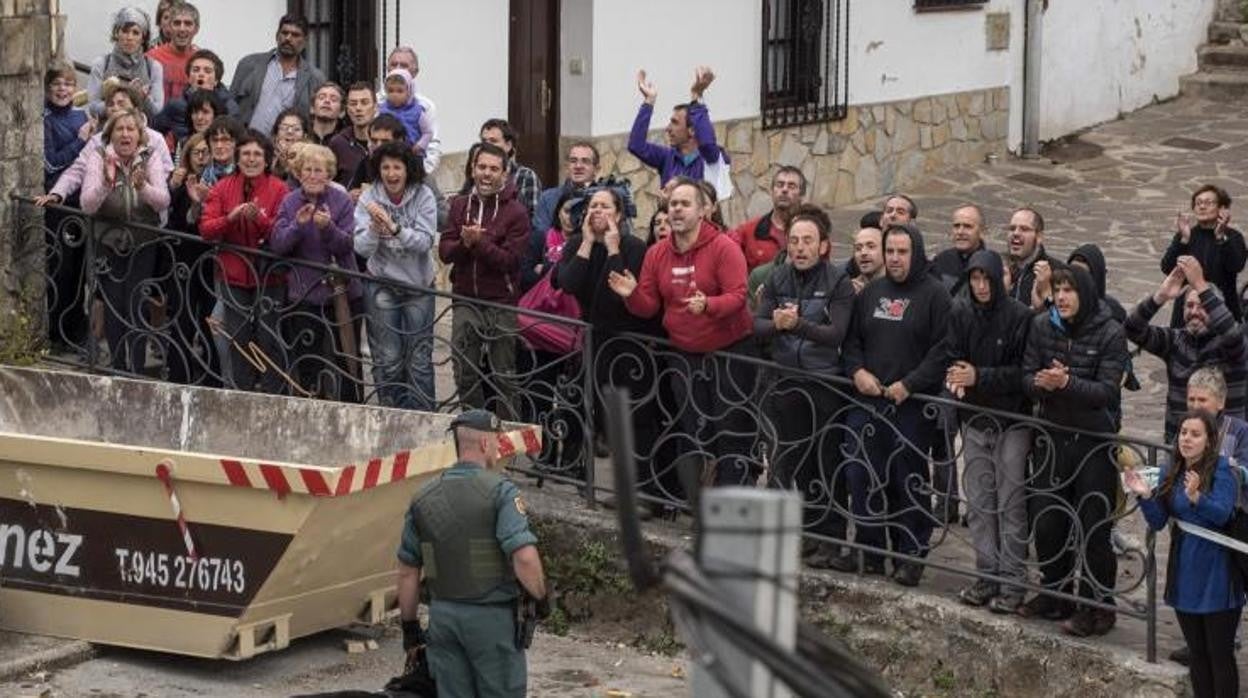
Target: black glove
413,634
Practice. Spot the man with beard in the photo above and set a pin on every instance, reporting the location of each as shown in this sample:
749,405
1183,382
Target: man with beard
1027,258
895,349
1072,369
763,237
270,82
696,280
1210,336
804,311
987,337
350,145
486,240
966,236
868,262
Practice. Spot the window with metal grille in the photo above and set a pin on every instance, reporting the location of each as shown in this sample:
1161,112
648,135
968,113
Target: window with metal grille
948,4
341,38
805,61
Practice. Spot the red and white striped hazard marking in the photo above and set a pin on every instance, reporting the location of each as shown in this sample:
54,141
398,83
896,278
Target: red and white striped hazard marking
164,474
344,480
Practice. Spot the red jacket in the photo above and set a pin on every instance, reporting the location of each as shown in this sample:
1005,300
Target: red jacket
714,266
759,240
490,269
214,225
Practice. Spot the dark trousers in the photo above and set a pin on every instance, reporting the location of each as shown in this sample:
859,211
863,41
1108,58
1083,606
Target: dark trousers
806,415
126,303
67,313
186,271
713,394
251,327
549,392
1211,638
886,465
632,364
1074,481
320,363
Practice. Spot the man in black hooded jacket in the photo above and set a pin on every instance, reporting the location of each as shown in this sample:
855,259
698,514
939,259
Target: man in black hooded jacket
987,337
895,348
1072,369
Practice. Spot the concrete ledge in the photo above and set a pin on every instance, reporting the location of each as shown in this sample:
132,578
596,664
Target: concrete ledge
922,643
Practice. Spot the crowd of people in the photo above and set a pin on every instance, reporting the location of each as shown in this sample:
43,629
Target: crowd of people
310,171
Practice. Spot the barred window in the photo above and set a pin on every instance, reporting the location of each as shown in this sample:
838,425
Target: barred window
805,61
948,4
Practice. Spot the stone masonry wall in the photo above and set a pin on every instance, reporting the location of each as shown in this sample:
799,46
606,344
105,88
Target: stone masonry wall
876,149
29,35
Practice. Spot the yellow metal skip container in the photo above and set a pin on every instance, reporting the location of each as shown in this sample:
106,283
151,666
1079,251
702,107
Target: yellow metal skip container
291,510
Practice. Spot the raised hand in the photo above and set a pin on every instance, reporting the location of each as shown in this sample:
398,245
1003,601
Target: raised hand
321,218
1224,219
1171,287
612,237
1191,485
304,215
648,91
1183,225
703,76
622,284
1193,272
1134,482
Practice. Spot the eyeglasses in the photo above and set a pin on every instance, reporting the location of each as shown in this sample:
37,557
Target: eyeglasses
1203,203
199,152
290,128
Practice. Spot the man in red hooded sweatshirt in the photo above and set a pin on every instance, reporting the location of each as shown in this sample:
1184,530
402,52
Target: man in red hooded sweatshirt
696,278
487,237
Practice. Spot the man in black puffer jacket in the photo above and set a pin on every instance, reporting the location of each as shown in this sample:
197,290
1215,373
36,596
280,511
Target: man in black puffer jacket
987,337
1072,369
804,310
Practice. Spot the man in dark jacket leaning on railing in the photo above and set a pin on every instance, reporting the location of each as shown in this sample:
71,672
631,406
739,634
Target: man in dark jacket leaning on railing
804,311
1073,367
987,337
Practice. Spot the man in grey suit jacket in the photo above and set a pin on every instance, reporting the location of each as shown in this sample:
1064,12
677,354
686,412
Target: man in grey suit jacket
266,83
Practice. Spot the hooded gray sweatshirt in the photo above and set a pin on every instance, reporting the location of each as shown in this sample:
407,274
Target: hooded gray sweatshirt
408,256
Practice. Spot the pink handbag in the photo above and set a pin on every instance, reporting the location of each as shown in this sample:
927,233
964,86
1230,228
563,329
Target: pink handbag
549,335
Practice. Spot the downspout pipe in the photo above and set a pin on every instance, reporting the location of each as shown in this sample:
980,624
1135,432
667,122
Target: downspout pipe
1032,49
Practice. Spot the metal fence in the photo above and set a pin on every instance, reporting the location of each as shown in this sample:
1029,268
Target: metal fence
145,301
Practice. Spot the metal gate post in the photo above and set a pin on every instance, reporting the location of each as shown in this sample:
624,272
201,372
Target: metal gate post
749,551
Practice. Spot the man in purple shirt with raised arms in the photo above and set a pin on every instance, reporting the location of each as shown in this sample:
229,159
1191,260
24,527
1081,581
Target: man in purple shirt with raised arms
690,135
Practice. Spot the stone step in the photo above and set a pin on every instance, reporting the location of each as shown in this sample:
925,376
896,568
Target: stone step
1226,32
1222,57
1221,85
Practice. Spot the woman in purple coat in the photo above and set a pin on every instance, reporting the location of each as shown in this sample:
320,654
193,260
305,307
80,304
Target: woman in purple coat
316,223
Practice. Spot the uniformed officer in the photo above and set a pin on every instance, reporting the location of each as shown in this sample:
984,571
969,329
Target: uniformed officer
467,531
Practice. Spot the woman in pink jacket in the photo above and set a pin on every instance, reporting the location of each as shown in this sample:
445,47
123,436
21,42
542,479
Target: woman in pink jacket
124,187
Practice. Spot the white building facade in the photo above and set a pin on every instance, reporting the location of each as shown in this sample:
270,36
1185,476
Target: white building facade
919,84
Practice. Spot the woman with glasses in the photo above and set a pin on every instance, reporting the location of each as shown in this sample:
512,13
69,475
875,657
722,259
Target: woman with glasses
1208,236
291,127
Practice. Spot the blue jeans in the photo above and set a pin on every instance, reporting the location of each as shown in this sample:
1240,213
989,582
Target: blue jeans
400,336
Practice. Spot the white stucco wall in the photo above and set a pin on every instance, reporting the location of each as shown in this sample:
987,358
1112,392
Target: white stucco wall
576,43
222,28
463,47
1106,57
894,53
669,39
